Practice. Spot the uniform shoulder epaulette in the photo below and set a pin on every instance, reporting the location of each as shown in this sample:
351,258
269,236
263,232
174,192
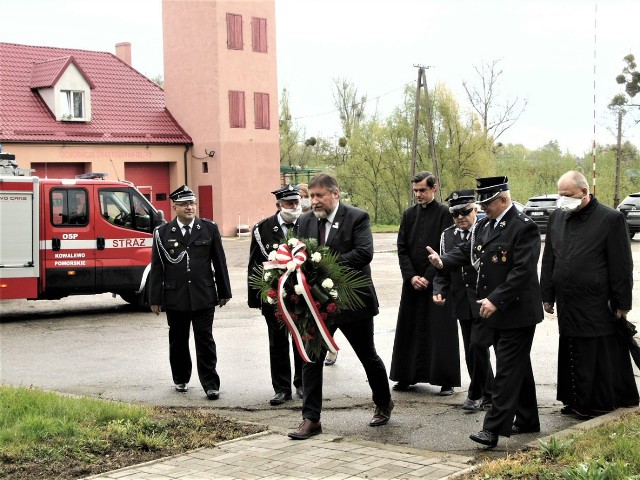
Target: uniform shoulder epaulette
260,222
523,218
450,227
208,221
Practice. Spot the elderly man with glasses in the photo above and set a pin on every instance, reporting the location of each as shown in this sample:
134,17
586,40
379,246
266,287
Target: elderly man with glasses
459,289
504,248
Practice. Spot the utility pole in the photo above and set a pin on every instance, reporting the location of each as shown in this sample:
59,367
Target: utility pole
616,194
422,82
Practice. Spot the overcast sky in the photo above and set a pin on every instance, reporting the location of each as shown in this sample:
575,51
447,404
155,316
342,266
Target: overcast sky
548,52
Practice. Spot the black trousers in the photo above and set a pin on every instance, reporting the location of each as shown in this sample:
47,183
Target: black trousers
179,355
359,334
477,338
514,388
279,356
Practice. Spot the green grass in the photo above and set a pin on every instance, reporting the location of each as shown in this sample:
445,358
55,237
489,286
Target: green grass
385,228
46,435
610,451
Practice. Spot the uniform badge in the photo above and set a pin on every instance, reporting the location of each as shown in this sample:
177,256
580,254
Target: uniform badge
276,228
479,247
503,224
173,229
198,227
494,258
175,244
504,256
335,225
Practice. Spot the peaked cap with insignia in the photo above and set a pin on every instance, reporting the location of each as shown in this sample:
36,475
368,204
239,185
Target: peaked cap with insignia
183,194
489,188
287,192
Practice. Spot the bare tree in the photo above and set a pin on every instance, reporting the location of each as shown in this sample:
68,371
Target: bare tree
351,108
497,117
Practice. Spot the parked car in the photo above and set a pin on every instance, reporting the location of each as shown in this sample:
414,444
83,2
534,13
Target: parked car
630,206
539,208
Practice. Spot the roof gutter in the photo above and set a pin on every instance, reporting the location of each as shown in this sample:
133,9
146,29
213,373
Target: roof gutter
186,150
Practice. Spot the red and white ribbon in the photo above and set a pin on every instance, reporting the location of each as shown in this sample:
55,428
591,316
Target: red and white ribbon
292,260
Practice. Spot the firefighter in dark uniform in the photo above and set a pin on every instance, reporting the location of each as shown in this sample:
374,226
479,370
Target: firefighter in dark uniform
188,280
265,237
505,248
459,289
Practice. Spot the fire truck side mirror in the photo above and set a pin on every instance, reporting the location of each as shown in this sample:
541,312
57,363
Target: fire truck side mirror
160,218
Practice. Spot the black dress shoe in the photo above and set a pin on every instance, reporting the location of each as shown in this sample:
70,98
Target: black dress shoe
213,394
181,387
299,392
485,437
279,398
517,430
381,415
402,387
306,429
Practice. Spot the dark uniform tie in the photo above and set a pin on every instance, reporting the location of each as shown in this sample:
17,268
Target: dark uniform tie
186,234
288,226
322,231
465,235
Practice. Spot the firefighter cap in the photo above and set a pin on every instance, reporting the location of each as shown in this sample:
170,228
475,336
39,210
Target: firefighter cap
287,192
182,194
460,199
489,188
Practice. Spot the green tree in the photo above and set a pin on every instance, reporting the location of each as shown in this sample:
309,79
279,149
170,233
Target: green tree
630,77
349,105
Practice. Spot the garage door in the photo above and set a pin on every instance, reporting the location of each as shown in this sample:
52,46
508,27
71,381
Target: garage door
152,179
58,170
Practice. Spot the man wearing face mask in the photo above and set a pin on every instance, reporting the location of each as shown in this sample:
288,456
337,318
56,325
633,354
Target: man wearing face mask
587,269
266,235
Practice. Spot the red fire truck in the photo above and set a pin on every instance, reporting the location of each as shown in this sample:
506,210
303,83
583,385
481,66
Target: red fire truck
76,236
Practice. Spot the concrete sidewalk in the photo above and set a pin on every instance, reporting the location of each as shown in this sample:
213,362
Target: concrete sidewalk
273,455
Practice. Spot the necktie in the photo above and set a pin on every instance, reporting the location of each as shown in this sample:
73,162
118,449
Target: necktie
322,231
465,235
493,223
186,234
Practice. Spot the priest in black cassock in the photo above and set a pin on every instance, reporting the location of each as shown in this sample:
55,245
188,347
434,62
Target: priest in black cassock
425,349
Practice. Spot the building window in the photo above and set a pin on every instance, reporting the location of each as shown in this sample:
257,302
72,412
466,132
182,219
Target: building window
236,109
259,34
234,31
71,105
261,108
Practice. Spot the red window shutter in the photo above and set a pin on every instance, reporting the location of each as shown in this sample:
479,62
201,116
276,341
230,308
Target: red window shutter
236,109
259,34
234,31
261,107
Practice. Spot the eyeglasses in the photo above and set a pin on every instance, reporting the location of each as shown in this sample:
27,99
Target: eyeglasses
185,204
464,213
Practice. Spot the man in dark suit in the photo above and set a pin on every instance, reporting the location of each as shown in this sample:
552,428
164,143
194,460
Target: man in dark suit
188,279
505,248
266,235
346,231
459,289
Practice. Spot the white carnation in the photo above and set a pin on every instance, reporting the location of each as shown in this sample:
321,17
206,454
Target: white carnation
293,242
316,257
267,275
291,266
270,300
298,289
327,283
272,255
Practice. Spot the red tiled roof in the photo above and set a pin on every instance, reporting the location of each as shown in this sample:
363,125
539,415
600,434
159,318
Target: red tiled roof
126,107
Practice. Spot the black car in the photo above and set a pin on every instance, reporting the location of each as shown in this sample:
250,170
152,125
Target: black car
540,207
630,206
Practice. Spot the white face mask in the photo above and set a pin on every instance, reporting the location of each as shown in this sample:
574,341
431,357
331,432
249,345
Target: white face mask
290,215
305,203
569,204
